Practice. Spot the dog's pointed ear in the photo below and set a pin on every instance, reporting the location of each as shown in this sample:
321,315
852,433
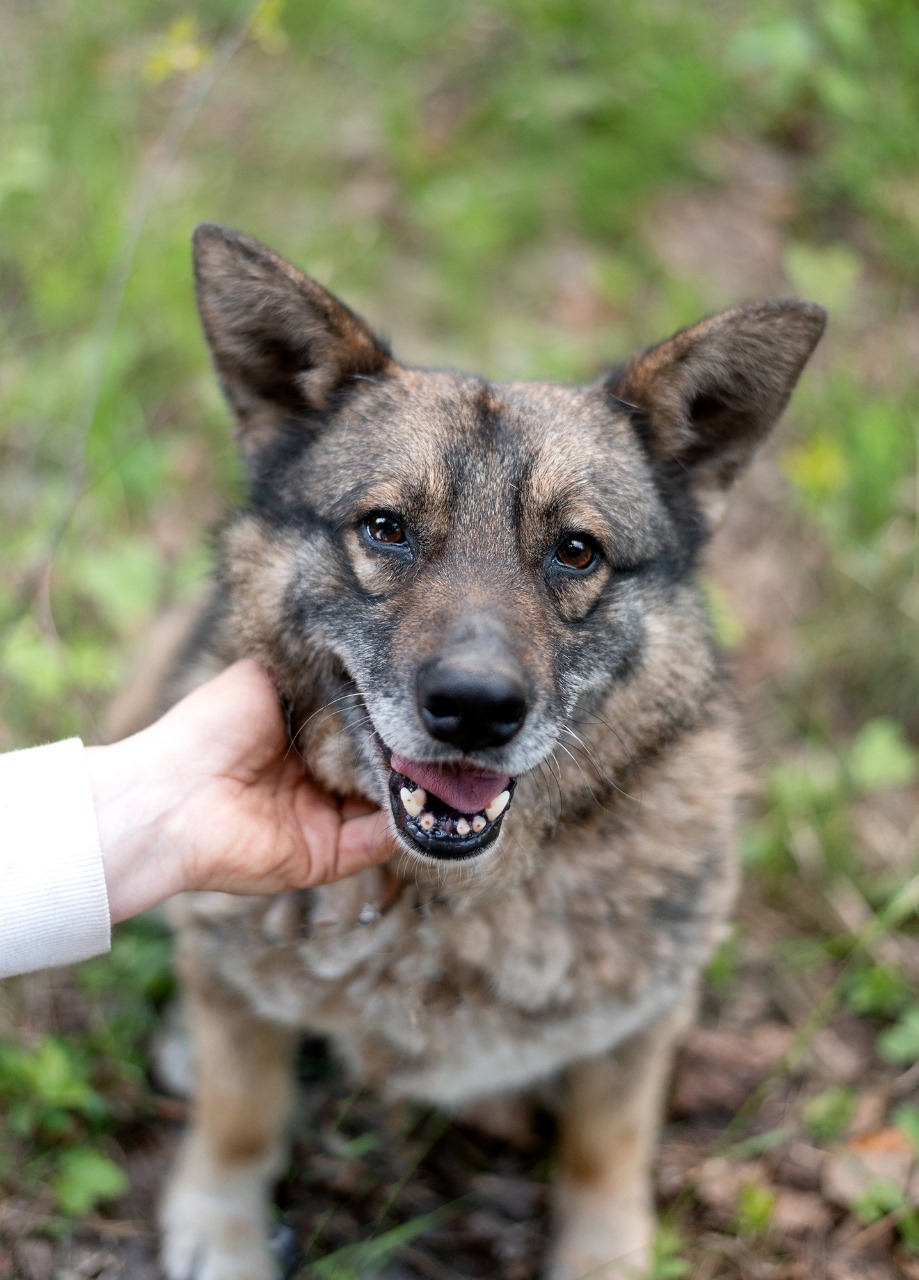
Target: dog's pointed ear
281,343
706,397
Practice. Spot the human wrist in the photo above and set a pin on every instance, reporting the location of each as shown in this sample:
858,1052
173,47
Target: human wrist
135,807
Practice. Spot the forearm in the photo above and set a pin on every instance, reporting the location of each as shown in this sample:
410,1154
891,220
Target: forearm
53,901
85,843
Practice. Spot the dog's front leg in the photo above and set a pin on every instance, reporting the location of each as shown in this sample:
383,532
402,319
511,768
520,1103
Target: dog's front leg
603,1203
215,1213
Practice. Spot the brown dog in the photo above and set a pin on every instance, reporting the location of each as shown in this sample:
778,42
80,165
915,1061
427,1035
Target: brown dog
478,602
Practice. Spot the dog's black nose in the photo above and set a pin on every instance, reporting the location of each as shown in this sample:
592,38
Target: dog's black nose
470,709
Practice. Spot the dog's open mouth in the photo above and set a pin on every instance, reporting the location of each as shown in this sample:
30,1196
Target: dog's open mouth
448,811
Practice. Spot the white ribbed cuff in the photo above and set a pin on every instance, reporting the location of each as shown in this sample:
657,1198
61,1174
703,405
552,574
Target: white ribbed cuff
53,901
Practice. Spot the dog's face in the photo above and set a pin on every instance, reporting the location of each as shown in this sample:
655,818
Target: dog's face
475,576
459,573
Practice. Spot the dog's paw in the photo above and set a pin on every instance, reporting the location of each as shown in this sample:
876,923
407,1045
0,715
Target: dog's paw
207,1239
215,1227
577,1263
598,1242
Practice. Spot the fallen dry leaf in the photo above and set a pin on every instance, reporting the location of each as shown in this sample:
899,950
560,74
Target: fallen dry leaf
719,1069
799,1213
849,1170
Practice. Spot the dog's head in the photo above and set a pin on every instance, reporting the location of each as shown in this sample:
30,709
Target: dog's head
460,574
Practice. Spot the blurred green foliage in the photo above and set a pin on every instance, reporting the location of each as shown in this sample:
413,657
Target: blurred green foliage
668,1262
61,1096
827,1115
755,1208
808,826
883,1197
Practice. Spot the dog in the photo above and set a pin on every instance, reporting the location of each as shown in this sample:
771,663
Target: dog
479,605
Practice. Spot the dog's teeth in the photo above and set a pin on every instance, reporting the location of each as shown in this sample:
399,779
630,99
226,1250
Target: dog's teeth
426,821
462,827
497,806
478,823
413,801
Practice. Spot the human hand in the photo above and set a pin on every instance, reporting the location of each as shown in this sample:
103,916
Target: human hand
212,796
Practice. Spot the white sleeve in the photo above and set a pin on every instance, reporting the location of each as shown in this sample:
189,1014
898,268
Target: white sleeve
53,900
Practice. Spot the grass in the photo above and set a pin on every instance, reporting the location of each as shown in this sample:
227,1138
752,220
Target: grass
492,184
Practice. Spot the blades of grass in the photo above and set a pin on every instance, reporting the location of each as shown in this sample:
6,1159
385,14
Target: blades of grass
434,1128
759,1144
354,1260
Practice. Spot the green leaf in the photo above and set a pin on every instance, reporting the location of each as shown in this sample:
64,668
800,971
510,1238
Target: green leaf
880,1197
139,964
729,627
755,1207
34,661
900,1043
57,1077
908,1229
799,786
721,970
668,1263
827,1115
122,580
876,990
906,1118
880,757
84,1178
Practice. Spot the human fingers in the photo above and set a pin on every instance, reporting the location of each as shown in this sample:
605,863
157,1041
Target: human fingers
233,724
357,807
362,842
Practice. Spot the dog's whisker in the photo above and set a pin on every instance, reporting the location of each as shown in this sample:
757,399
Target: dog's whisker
607,724
327,706
601,804
589,751
555,809
581,746
634,765
308,724
556,774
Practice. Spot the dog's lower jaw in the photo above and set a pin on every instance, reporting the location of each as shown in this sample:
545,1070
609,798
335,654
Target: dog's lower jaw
430,828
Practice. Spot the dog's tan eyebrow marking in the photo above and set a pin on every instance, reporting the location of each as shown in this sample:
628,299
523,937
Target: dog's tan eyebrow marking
563,491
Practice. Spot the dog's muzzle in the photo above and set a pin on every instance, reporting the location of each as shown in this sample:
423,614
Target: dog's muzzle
448,811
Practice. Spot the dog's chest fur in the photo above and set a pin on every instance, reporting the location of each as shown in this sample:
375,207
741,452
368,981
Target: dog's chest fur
445,991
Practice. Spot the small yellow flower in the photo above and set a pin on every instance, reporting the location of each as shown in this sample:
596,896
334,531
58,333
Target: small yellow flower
178,51
818,469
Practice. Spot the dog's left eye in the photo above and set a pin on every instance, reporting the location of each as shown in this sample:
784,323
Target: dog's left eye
386,529
576,551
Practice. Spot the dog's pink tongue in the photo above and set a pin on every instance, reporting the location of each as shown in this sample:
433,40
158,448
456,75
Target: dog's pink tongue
463,787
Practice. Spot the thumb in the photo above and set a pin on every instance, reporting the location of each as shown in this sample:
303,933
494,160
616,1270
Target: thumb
362,842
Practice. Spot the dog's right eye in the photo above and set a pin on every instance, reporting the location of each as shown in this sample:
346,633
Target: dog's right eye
386,529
